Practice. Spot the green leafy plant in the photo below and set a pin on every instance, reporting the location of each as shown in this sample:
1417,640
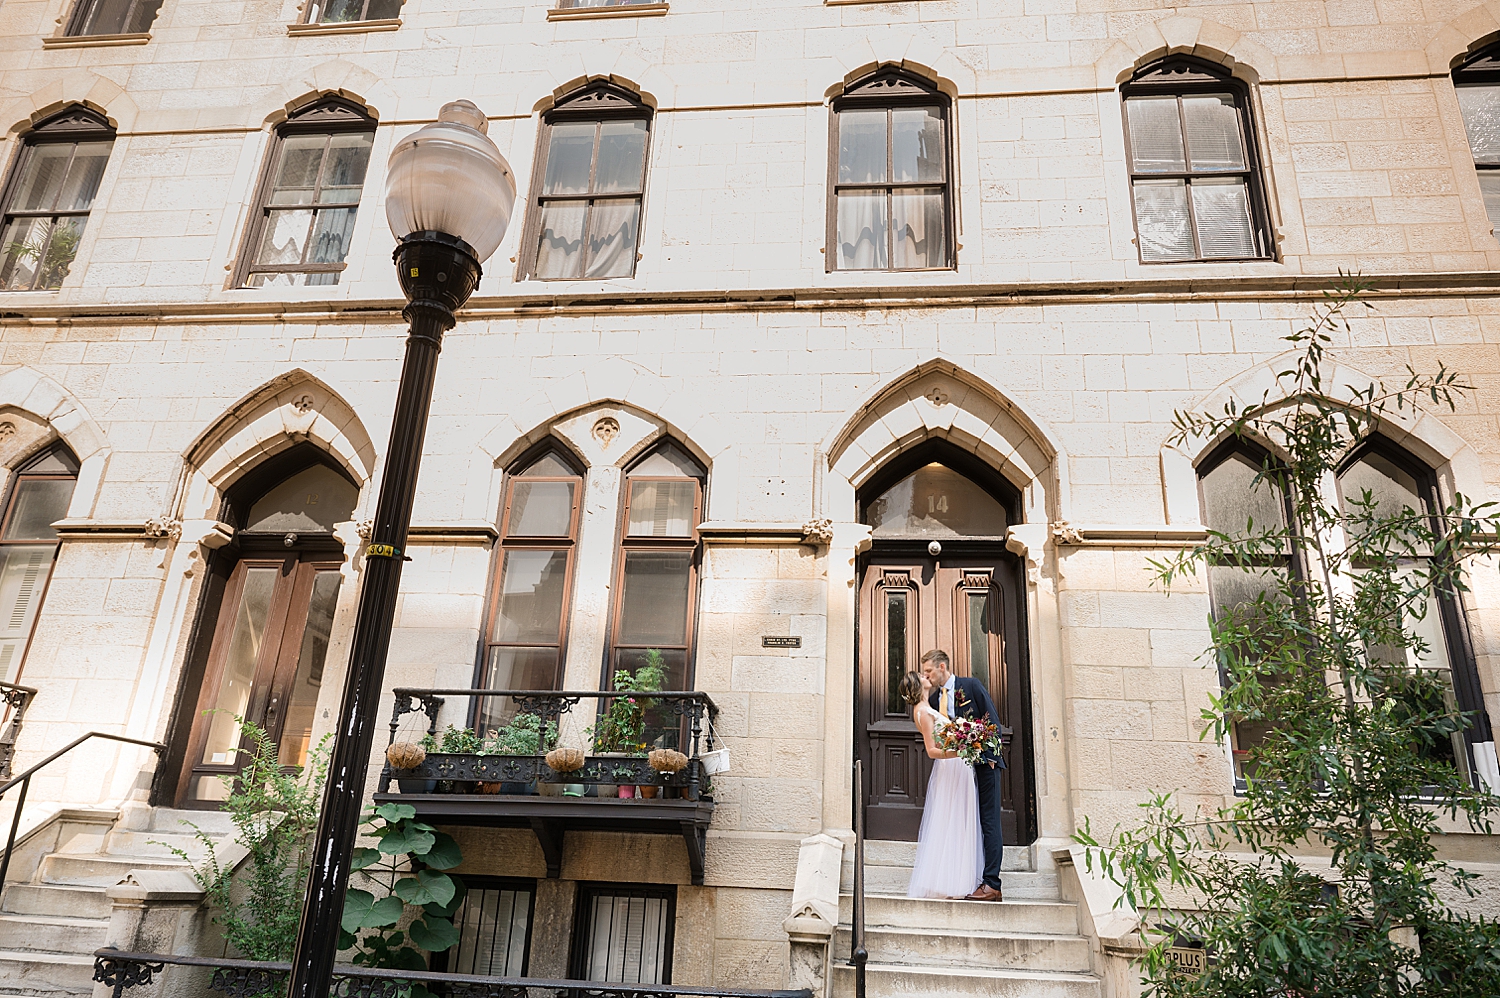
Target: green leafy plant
53,264
460,741
1352,764
524,735
405,868
274,814
622,727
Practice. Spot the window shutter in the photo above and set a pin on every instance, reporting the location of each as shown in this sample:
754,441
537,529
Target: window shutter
1222,210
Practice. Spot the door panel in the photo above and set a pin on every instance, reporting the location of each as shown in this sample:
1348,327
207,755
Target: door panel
265,665
968,607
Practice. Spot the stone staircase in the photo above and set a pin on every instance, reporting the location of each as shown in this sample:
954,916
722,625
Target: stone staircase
1028,946
53,919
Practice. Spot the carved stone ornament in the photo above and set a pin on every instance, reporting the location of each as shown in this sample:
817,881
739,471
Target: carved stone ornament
1064,534
163,528
937,396
7,430
304,404
818,531
606,428
365,528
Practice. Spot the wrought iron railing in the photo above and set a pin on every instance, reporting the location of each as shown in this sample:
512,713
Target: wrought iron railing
120,971
17,699
858,954
24,782
462,770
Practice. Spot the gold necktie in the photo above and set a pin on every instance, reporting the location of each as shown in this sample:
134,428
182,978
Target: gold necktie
943,703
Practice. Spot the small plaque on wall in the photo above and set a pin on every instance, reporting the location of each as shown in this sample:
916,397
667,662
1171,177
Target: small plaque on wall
780,641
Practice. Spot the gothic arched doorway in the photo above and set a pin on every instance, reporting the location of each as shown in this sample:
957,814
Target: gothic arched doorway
262,640
967,599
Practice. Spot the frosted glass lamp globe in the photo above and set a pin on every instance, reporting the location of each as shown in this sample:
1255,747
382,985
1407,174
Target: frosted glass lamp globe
448,177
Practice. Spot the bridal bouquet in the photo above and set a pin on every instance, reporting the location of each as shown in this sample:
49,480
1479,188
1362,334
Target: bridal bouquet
970,737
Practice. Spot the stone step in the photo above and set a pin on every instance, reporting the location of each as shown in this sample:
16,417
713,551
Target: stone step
970,948
96,870
173,820
52,933
53,899
1031,886
49,974
157,845
1051,917
889,852
884,980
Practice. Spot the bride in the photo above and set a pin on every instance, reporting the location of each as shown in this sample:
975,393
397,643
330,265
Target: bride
950,850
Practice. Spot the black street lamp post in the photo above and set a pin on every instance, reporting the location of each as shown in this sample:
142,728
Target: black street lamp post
449,195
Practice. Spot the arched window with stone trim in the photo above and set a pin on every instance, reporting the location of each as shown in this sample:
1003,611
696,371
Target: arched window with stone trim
588,186
48,197
1477,83
656,582
38,496
308,196
890,203
530,599
1195,177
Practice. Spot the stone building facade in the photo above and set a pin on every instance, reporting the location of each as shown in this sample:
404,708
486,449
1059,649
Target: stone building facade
719,298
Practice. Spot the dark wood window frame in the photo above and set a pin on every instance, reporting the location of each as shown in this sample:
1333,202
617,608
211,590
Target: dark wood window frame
578,950
330,116
314,11
507,543
139,15
1482,71
891,89
72,126
1185,76
625,545
598,102
440,962
7,511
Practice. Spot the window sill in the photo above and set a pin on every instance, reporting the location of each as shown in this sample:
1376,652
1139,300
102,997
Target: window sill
344,27
620,10
94,41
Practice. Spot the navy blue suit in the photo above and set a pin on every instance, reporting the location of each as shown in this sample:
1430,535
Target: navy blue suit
973,700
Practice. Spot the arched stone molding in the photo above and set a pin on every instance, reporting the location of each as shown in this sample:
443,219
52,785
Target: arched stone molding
74,86
336,76
912,51
287,410
577,83
613,384
939,399
1453,459
1208,40
36,397
1465,34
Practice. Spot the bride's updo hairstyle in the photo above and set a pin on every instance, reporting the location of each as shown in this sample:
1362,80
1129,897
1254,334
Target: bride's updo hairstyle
911,688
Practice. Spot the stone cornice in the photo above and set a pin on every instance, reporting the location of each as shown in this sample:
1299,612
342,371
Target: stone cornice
1482,284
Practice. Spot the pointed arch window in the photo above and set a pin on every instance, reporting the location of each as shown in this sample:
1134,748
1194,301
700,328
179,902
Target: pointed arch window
309,196
1477,84
112,17
40,491
588,186
538,547
656,585
1194,180
1239,486
48,197
890,176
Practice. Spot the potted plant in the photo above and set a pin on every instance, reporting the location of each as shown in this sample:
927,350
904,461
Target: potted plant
563,760
621,729
667,762
458,741
407,756
524,735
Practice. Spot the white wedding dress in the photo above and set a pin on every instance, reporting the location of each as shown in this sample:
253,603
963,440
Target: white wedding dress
950,849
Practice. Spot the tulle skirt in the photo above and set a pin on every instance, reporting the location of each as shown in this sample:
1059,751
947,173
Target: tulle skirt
950,848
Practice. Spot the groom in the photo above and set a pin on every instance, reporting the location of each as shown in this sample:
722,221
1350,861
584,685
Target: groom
966,697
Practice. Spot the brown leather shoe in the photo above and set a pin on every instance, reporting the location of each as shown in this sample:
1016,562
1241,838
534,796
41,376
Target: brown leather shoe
984,892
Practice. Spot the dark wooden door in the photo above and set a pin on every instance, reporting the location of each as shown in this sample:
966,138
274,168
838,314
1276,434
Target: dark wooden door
968,607
266,665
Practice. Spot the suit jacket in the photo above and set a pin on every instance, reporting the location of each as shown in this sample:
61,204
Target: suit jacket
971,699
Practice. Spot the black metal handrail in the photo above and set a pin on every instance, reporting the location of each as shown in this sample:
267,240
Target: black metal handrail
858,955
24,780
549,705
17,698
121,971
